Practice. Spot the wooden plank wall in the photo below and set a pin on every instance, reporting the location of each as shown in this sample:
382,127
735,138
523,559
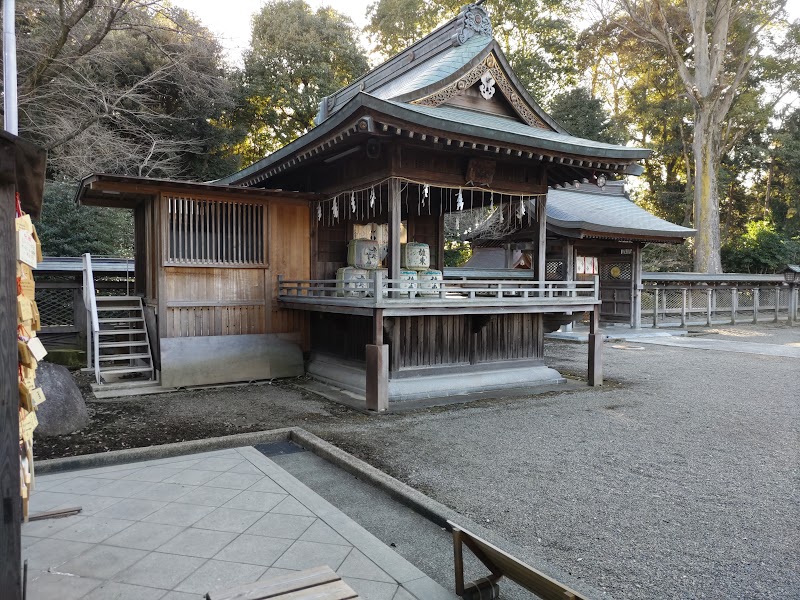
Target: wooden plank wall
215,301
290,256
429,341
433,341
508,337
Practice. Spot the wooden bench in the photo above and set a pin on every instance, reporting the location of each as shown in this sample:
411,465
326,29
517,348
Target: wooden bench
319,583
501,564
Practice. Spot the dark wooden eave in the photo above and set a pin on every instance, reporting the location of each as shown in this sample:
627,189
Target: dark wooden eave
124,191
366,116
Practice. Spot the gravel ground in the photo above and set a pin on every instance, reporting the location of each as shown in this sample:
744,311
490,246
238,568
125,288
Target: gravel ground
678,480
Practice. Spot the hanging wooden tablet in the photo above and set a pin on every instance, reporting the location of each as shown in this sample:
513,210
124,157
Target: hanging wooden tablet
37,348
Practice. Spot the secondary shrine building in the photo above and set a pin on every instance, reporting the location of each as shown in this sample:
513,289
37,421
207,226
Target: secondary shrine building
347,265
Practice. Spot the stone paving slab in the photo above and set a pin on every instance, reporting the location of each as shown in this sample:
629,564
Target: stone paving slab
176,528
727,346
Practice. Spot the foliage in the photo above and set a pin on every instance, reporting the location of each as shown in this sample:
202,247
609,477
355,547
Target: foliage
536,35
297,57
123,86
783,176
761,249
710,49
67,230
583,115
456,253
665,258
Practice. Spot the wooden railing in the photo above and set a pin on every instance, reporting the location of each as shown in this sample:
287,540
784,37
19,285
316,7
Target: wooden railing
90,302
362,292
713,302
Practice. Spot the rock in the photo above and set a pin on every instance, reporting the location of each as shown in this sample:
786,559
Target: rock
64,410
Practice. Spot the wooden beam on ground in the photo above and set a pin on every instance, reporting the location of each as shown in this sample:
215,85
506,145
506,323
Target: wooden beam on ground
10,500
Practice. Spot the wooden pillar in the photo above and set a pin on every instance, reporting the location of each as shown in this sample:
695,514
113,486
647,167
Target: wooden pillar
395,218
509,256
595,349
636,291
540,262
377,387
10,501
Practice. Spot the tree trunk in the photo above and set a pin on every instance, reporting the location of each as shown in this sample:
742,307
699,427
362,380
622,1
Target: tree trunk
706,146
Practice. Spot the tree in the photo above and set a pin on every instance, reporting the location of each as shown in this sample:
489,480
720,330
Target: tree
536,35
67,230
124,86
583,115
297,57
712,45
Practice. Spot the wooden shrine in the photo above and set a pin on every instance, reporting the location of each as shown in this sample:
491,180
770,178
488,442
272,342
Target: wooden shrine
443,127
592,231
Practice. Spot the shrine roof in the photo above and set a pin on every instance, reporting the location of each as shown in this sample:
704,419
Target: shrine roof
503,128
596,211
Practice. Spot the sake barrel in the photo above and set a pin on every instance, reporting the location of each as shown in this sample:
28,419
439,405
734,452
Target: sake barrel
415,256
352,282
408,282
429,282
363,254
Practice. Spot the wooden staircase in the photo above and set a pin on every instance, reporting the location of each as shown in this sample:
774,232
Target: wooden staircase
123,347
119,347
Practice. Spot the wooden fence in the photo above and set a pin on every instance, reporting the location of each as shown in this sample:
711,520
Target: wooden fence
681,299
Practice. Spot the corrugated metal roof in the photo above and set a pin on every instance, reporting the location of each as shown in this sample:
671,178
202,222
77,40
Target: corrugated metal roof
606,211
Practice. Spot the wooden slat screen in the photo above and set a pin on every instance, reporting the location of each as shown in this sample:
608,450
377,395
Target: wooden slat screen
215,232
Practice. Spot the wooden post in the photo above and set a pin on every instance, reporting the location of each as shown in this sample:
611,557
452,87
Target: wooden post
395,218
377,385
458,561
595,349
540,265
636,288
655,307
708,307
777,302
792,304
734,304
10,500
756,299
683,307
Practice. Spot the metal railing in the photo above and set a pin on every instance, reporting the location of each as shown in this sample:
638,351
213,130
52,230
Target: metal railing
90,302
449,291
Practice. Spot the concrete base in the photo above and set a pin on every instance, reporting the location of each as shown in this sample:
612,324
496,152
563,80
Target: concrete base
352,378
581,335
190,361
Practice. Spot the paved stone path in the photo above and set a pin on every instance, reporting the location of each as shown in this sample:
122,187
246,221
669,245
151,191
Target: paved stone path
723,346
177,528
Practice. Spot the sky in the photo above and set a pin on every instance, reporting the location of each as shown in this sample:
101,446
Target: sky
232,24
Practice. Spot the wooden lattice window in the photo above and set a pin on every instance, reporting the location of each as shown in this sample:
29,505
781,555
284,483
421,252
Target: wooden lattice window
225,232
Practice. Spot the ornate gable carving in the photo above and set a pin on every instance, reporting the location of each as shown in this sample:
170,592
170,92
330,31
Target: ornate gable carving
488,65
476,21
